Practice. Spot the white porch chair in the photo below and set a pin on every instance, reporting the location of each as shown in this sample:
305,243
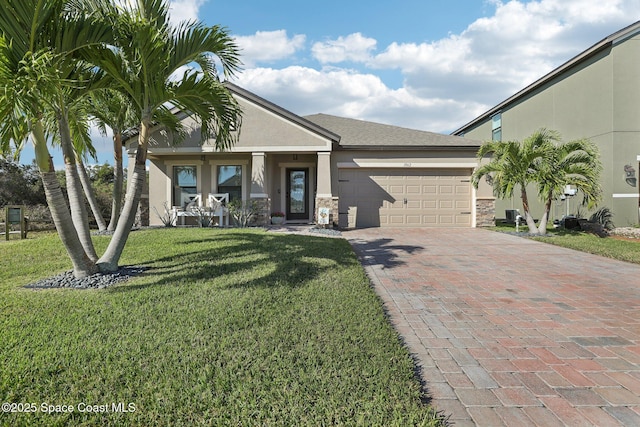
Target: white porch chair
189,201
192,200
218,203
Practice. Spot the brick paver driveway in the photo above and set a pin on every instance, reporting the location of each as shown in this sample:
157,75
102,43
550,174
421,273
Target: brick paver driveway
508,331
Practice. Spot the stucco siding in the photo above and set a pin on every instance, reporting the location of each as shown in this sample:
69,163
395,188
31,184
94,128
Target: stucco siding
158,183
261,128
598,99
626,90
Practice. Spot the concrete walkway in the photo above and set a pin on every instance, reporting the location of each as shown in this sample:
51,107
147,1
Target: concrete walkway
509,331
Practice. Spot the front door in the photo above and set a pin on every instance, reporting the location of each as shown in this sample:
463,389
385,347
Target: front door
298,194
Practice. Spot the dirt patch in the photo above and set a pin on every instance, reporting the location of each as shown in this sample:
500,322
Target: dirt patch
625,238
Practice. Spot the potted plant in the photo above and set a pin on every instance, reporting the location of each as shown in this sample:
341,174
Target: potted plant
277,218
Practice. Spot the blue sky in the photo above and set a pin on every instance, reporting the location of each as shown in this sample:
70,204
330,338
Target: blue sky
423,64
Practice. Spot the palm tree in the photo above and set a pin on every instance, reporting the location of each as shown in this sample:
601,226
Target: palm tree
38,41
78,124
514,164
544,160
111,108
575,163
150,53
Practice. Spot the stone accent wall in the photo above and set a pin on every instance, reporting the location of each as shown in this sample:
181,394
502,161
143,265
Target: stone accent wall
332,204
264,210
485,212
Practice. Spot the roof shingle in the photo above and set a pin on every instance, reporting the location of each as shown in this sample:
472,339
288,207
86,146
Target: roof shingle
362,134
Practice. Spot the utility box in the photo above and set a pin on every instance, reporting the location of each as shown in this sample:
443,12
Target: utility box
511,215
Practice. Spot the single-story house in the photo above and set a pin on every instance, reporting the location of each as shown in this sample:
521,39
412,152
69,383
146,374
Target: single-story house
367,174
595,95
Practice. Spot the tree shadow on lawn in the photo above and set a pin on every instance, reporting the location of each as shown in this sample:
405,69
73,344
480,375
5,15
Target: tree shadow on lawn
381,252
255,259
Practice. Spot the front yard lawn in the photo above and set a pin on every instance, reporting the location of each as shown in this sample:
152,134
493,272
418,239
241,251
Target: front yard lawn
226,327
611,247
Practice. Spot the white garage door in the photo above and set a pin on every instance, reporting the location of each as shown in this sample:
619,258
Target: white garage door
405,197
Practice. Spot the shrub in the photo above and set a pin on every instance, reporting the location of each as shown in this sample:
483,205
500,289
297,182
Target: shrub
168,217
603,216
243,213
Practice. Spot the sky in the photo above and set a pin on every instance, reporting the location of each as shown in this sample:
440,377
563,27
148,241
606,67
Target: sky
423,64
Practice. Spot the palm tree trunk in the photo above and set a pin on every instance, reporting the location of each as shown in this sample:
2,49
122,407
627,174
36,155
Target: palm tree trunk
109,260
90,195
527,213
74,189
82,265
118,178
542,225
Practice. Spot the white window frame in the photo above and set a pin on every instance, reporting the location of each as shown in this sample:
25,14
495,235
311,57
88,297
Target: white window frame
170,165
214,174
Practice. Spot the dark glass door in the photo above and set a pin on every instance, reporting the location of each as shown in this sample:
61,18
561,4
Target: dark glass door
297,194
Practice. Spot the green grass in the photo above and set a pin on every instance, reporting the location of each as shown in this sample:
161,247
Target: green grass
623,250
227,327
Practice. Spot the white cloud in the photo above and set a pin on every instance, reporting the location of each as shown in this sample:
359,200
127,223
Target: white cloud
446,82
348,93
498,55
268,46
184,10
354,47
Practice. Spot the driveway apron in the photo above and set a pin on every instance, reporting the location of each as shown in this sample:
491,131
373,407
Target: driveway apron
510,331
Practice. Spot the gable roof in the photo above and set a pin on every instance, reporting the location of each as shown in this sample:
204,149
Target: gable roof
362,134
276,109
603,44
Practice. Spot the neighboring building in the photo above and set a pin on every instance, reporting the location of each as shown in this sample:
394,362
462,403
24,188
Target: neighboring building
367,174
595,95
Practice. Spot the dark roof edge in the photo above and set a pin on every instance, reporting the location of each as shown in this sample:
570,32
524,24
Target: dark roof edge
281,111
593,50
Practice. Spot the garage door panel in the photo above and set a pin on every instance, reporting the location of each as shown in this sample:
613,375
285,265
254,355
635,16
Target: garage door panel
430,220
445,204
429,204
462,189
404,197
446,220
445,189
463,220
429,189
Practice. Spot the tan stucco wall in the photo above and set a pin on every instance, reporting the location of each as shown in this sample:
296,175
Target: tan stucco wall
262,128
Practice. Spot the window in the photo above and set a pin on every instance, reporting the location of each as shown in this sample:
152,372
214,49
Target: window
496,127
184,184
230,181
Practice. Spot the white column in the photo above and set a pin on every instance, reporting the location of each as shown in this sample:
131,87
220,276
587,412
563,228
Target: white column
324,175
258,176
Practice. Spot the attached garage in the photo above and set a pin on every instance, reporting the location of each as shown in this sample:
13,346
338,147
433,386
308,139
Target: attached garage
388,176
402,197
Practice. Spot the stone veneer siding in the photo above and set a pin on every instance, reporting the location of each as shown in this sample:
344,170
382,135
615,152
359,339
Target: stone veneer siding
485,212
263,206
332,204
